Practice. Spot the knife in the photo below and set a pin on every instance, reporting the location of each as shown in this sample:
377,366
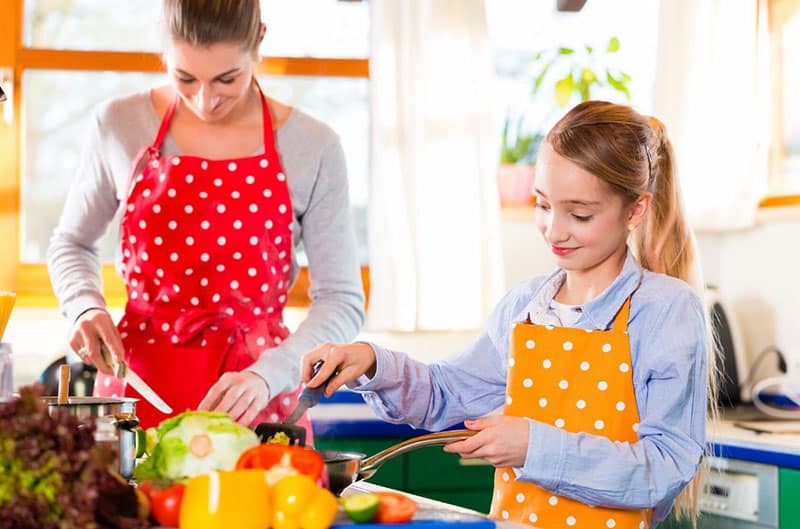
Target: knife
123,372
309,397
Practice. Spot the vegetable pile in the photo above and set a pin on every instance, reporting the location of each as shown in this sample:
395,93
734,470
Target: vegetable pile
53,475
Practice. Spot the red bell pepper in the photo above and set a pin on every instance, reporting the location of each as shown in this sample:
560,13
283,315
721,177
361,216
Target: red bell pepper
265,456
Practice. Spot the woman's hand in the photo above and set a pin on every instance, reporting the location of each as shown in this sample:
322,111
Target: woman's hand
93,330
240,394
501,440
348,362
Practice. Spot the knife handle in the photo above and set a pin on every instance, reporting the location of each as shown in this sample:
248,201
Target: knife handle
119,368
312,395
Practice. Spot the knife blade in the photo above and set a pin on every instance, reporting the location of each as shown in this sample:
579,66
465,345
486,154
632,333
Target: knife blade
123,372
309,397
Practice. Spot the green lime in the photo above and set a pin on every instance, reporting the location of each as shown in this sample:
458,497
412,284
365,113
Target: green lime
141,442
361,507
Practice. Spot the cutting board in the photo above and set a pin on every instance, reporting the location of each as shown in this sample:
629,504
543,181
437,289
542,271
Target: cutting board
422,524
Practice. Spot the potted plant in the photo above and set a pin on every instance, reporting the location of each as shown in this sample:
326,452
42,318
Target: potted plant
561,76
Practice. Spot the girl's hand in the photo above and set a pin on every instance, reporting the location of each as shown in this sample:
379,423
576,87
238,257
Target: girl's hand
240,394
501,440
92,330
348,362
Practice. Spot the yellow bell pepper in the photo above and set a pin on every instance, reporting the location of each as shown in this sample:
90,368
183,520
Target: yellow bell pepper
222,500
298,503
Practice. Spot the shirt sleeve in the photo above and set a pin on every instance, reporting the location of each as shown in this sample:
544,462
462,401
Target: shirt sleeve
467,385
336,292
671,367
72,256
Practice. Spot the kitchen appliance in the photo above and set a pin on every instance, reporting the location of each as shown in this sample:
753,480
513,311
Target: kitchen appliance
115,419
729,346
345,468
739,495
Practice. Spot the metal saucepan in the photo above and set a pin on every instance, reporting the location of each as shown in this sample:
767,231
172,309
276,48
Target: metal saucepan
115,419
345,468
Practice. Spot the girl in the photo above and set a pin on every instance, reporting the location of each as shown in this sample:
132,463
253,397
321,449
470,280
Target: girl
227,183
600,366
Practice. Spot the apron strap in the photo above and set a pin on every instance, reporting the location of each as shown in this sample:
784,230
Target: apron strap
269,134
621,319
162,130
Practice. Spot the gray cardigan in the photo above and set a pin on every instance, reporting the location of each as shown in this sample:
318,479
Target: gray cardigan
314,164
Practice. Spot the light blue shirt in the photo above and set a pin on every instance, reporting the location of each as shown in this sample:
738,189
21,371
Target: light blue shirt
668,339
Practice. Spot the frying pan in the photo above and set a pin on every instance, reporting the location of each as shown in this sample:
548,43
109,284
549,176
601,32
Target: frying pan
345,468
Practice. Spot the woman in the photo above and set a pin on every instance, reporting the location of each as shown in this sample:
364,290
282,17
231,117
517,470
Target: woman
600,366
226,183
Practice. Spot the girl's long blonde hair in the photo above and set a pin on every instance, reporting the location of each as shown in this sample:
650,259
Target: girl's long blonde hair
633,155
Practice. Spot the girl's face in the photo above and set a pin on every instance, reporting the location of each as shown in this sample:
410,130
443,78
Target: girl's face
210,80
582,220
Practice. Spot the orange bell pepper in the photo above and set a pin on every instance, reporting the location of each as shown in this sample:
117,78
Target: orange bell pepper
298,503
222,500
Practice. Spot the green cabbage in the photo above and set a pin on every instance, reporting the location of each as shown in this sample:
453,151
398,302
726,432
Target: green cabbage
193,443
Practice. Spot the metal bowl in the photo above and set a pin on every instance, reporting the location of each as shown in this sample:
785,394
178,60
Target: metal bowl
115,419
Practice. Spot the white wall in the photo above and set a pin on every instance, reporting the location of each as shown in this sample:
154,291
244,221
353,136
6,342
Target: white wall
758,271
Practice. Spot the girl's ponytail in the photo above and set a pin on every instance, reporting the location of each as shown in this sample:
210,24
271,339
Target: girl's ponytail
663,242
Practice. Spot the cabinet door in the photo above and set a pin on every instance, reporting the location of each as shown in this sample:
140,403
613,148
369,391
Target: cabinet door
391,474
788,494
433,468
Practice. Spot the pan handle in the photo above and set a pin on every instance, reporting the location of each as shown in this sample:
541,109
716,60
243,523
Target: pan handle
371,464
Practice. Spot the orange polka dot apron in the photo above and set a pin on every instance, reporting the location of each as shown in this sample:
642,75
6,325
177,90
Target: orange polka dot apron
578,380
206,256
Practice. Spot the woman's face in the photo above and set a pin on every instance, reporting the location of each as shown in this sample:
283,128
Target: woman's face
210,80
582,220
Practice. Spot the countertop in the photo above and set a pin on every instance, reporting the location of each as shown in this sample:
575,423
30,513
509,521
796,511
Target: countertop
346,415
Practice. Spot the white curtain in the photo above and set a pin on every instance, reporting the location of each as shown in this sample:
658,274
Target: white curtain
712,91
435,252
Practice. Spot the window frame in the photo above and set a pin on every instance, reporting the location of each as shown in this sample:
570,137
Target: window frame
779,11
30,280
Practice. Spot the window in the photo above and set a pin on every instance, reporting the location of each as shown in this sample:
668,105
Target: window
518,29
60,59
784,20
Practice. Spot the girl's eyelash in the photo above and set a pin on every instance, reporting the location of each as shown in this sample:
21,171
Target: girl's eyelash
185,81
581,218
226,81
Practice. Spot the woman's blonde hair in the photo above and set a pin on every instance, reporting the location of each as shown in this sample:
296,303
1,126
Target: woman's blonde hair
207,22
633,155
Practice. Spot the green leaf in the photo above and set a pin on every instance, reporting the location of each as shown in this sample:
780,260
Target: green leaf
625,78
537,81
618,85
588,76
565,51
589,49
564,89
613,45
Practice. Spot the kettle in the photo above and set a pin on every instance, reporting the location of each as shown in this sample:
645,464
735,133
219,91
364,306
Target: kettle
729,346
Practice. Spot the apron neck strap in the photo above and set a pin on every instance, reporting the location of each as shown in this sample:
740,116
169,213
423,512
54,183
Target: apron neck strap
162,130
621,319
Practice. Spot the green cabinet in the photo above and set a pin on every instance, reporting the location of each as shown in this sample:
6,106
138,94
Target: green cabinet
788,495
428,472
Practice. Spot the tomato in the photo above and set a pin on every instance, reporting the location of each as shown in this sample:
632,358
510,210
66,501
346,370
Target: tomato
265,456
394,508
165,502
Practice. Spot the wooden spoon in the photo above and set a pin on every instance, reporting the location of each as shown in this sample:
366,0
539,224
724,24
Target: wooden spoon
63,384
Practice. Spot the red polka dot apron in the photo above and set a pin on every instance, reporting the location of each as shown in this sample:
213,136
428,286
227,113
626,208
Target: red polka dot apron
580,381
206,257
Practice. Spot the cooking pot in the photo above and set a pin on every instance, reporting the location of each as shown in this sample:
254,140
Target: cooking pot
345,468
115,419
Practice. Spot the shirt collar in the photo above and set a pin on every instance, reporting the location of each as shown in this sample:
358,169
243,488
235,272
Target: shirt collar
598,313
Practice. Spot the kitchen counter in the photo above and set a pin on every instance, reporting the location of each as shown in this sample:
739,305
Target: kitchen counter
432,509
346,415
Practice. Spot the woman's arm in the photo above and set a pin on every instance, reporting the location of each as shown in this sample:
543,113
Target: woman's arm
72,256
337,297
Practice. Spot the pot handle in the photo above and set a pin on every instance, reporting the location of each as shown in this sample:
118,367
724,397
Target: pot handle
371,464
125,421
